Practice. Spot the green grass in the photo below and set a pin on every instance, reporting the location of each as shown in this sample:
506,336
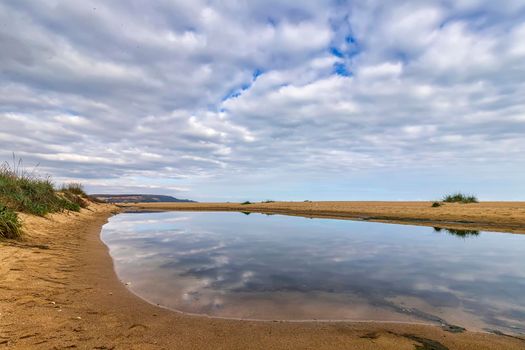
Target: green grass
28,193
74,193
23,191
247,202
74,188
10,226
459,198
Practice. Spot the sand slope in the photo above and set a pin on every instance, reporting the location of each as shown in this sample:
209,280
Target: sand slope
58,290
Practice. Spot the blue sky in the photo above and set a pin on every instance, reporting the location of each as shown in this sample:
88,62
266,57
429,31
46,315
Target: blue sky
229,100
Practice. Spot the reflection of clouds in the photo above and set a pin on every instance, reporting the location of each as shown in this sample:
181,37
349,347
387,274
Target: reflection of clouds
221,260
202,250
428,286
204,257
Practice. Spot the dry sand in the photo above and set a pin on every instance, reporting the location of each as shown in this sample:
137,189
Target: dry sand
58,290
488,216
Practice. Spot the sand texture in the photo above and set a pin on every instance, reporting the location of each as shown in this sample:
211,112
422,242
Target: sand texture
58,290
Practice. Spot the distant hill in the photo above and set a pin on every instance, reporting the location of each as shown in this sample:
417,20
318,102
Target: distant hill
131,198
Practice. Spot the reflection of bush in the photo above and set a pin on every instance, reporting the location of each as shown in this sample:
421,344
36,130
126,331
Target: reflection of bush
462,233
456,232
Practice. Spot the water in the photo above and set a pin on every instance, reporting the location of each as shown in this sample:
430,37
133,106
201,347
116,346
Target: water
291,268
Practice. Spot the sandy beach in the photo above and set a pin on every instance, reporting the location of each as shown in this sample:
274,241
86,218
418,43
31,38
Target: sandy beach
488,216
58,290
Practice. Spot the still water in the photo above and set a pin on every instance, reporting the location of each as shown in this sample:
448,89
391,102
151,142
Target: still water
292,268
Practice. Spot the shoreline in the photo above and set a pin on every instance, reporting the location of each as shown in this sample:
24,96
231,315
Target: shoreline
506,217
59,289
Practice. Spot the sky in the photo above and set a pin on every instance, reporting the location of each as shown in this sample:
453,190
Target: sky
255,100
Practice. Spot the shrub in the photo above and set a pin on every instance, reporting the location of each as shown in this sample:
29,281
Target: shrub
247,202
268,201
460,198
436,204
10,226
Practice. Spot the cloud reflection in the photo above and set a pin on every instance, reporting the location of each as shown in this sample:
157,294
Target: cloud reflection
226,264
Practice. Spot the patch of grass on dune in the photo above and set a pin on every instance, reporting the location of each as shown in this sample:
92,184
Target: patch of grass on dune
10,226
23,191
28,193
74,192
460,198
74,188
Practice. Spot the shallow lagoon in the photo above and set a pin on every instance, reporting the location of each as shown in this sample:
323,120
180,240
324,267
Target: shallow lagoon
292,268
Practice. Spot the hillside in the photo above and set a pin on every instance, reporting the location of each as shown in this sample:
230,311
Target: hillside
142,198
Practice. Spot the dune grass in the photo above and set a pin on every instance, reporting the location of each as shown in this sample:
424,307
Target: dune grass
10,226
24,191
74,192
28,193
74,188
459,197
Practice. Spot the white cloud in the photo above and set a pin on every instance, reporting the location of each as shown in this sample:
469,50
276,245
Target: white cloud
211,90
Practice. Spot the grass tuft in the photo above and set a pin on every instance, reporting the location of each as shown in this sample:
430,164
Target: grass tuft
74,193
10,226
460,198
74,188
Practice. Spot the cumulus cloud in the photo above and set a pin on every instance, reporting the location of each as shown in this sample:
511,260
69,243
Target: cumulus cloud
182,94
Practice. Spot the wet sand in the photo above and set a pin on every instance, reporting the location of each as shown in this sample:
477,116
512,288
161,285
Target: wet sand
58,290
484,216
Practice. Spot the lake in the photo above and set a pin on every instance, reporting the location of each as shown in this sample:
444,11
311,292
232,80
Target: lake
275,267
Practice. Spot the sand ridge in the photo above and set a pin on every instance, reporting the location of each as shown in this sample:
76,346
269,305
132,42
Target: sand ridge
487,216
58,290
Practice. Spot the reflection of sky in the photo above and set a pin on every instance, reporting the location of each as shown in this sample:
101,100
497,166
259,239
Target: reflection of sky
218,257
